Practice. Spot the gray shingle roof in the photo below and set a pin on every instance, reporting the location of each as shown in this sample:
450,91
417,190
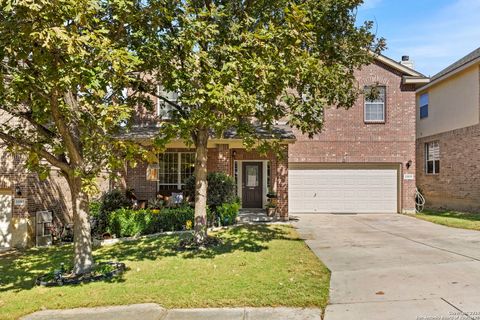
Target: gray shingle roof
149,132
475,54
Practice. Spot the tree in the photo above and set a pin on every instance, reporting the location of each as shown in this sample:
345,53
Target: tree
63,73
241,63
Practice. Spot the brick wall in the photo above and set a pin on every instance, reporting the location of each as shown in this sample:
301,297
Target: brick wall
279,175
220,159
457,186
346,138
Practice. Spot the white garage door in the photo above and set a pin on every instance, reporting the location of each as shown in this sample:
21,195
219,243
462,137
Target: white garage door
339,190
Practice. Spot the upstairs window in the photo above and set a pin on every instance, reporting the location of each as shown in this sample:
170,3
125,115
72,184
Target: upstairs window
164,109
374,104
424,106
432,157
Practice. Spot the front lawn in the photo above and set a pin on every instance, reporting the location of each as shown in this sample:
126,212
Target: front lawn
256,265
453,219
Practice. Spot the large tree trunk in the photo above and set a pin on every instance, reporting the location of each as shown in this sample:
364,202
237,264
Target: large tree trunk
82,239
201,186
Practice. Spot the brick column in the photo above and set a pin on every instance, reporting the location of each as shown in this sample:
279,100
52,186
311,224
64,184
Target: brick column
221,159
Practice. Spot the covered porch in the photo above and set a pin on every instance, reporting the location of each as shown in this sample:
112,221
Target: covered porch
256,175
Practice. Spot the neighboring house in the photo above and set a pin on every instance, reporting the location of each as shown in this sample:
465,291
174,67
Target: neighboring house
448,136
363,161
23,194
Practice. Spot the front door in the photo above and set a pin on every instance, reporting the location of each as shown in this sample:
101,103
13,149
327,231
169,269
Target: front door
252,185
5,218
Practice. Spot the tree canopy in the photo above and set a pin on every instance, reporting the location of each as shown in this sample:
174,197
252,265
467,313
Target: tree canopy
63,73
241,64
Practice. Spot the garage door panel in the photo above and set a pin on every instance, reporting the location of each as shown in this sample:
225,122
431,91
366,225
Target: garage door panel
343,190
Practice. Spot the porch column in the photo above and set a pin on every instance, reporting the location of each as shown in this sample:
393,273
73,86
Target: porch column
221,159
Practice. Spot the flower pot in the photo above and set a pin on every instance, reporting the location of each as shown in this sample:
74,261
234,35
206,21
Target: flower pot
271,212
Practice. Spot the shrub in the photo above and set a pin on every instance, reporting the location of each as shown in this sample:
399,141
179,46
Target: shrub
113,200
109,202
227,213
173,219
128,222
221,189
94,211
94,207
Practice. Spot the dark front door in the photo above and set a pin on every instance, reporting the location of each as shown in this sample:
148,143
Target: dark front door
252,185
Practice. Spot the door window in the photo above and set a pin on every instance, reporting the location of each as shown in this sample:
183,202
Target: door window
252,176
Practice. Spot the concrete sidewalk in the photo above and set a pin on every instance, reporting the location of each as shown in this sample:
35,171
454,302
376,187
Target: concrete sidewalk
395,267
152,311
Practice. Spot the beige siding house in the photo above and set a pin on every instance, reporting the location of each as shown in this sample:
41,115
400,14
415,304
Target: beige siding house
448,136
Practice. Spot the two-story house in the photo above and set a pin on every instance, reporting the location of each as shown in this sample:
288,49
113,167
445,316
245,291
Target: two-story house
362,162
448,136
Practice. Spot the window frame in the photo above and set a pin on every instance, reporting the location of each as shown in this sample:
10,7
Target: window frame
435,161
163,106
383,103
180,183
423,115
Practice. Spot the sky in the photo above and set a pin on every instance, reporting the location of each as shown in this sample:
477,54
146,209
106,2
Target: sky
434,33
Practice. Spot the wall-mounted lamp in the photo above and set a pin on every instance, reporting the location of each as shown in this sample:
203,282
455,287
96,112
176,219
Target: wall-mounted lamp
234,153
18,191
408,164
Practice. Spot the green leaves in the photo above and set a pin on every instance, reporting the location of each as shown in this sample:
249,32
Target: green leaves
65,65
238,60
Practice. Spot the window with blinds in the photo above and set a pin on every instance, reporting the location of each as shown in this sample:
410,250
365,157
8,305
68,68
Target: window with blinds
375,104
432,157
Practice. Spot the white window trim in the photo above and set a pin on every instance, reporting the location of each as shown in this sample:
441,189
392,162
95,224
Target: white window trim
365,102
427,144
179,172
264,178
159,104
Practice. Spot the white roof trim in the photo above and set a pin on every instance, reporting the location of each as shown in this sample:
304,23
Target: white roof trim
415,80
397,66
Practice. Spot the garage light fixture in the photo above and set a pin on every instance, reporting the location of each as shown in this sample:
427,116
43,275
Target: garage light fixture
408,164
18,191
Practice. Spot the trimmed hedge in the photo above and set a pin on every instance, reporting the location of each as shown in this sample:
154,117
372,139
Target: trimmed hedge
127,222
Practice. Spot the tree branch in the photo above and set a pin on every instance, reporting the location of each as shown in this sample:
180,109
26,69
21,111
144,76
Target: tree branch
65,133
62,165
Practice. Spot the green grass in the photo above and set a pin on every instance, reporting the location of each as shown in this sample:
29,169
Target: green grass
255,266
453,219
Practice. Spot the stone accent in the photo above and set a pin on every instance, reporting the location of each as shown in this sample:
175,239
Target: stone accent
457,186
346,138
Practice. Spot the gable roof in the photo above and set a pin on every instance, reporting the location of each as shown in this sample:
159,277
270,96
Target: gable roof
398,66
472,56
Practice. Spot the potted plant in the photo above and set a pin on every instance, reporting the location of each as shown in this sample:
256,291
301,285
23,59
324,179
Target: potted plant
271,194
271,209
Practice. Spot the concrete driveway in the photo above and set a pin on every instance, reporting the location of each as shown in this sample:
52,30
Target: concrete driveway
391,266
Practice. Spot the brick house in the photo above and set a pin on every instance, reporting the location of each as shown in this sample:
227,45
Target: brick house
448,136
23,194
363,161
